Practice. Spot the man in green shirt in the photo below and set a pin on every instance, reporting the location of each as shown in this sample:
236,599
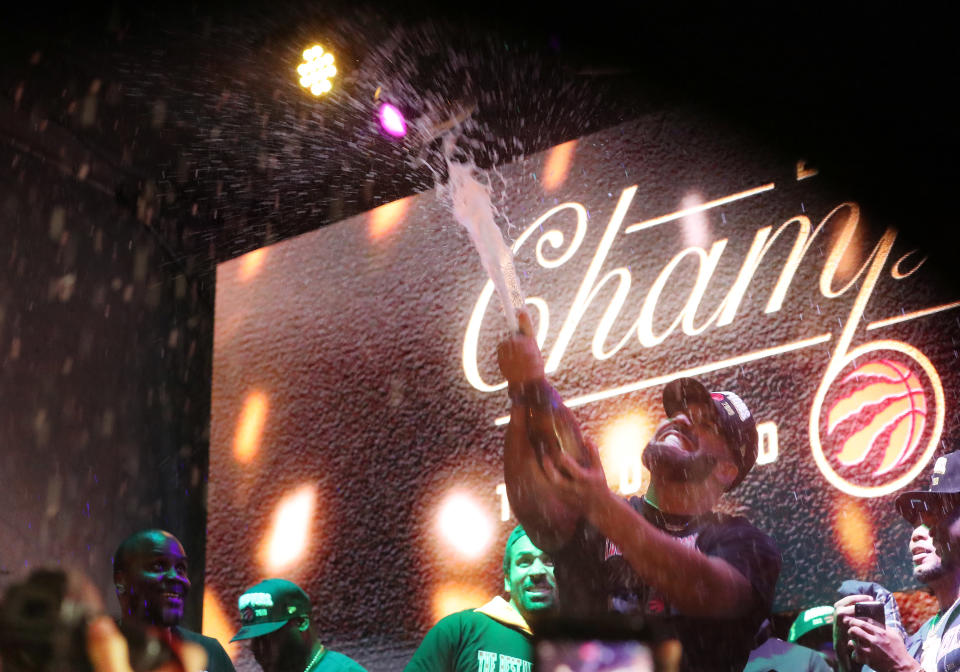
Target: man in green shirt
497,636
276,617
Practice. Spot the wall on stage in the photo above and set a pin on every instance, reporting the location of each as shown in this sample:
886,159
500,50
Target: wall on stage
105,347
356,404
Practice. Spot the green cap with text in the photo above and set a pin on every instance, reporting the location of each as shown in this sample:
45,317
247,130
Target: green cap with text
268,606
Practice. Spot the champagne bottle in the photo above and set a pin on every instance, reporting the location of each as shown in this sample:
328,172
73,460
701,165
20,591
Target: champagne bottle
551,427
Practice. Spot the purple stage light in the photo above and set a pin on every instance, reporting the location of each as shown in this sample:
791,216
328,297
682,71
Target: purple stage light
392,121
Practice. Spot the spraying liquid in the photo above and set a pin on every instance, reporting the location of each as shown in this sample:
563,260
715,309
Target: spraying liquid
551,428
473,209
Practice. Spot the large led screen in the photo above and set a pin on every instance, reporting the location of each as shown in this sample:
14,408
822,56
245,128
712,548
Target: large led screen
358,414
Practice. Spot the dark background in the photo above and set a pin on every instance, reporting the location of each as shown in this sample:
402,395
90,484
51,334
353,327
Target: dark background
140,145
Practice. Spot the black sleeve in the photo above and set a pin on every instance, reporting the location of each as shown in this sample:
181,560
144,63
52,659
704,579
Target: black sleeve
577,569
217,658
223,662
750,551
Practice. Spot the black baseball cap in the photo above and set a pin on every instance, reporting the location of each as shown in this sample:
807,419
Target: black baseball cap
943,494
732,416
268,606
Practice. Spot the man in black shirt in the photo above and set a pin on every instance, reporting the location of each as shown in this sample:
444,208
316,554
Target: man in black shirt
150,576
665,557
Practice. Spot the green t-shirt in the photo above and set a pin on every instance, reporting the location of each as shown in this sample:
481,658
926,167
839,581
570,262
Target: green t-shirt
471,641
337,662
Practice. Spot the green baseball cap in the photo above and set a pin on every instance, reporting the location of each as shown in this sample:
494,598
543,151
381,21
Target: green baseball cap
811,619
268,606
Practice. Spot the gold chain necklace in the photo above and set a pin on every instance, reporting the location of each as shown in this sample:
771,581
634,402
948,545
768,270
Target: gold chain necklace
322,650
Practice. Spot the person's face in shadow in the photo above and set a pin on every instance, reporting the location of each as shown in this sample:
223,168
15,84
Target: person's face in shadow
286,649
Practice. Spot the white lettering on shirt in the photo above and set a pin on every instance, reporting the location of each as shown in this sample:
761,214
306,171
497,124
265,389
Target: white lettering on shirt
486,661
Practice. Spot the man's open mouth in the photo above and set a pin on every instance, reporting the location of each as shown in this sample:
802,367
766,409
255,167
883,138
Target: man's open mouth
539,591
675,439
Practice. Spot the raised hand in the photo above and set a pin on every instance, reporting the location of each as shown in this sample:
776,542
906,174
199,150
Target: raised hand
519,355
878,646
582,485
842,612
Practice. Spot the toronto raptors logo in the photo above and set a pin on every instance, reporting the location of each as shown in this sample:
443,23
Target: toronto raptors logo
877,418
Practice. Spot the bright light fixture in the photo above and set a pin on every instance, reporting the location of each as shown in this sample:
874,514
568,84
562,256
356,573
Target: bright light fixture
250,427
392,121
290,531
316,70
621,446
465,526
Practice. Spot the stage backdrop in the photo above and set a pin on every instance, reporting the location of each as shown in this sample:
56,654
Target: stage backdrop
358,416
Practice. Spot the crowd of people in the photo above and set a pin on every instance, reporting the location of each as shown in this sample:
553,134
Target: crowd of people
151,585
696,585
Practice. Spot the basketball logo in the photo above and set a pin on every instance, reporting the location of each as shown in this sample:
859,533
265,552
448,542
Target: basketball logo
877,418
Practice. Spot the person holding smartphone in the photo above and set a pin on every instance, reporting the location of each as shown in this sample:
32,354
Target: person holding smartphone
667,557
863,640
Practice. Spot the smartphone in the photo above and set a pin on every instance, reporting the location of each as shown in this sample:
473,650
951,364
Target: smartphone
872,610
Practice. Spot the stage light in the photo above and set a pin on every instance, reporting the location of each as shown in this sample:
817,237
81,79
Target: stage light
465,526
316,70
621,445
250,263
252,418
217,624
392,121
557,166
853,530
290,531
695,225
384,218
453,597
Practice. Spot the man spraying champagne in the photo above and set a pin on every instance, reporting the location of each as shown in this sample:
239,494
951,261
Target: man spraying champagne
663,557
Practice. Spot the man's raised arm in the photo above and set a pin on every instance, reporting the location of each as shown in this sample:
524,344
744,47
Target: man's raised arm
539,423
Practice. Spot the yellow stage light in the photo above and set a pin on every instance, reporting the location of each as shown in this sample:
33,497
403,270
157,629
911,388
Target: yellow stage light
249,429
621,446
557,167
453,597
465,526
388,215
854,532
217,624
251,262
316,70
290,532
